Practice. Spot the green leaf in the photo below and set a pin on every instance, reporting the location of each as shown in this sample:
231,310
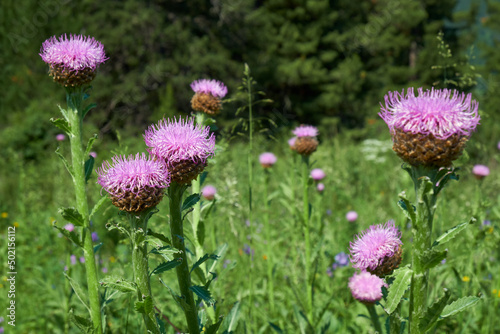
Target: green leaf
166,266
89,165
159,236
432,257
62,124
220,252
167,252
97,247
407,207
190,201
432,313
212,329
203,176
78,291
145,306
97,206
200,233
70,235
72,215
84,325
402,279
203,259
304,325
65,162
230,322
276,328
452,232
459,305
203,293
119,284
90,144
87,109
63,112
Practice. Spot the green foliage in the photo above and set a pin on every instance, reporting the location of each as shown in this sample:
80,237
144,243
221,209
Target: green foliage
402,278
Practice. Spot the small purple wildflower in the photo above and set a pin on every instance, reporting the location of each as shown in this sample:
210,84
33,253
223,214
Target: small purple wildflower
104,270
305,131
317,174
320,187
73,259
342,259
69,227
74,53
351,216
480,171
248,251
267,159
95,237
213,87
60,137
1,319
208,192
247,223
366,288
82,259
371,247
329,272
441,113
226,263
2,330
486,222
329,212
498,145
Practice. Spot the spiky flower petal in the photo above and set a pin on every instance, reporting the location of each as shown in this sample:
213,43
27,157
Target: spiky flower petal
305,131
366,288
213,87
377,249
208,96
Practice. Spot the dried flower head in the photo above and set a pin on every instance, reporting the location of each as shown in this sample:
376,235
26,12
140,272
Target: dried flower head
183,145
317,174
306,142
73,61
377,249
366,288
134,184
208,95
430,129
208,192
480,171
267,159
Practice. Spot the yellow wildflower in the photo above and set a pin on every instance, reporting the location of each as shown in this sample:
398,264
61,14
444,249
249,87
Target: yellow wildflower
466,279
264,257
112,259
16,224
4,214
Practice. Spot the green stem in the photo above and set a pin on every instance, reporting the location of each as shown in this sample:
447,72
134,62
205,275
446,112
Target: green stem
374,317
140,266
270,259
75,119
175,192
196,189
305,217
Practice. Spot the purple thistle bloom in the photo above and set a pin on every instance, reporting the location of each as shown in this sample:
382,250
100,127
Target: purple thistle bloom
442,113
208,192
480,171
342,259
267,159
366,288
74,53
180,140
213,87
351,216
60,137
132,174
305,131
372,246
317,174
69,227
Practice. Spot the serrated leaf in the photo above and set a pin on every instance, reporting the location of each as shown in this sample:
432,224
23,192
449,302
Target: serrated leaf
459,305
88,108
97,206
167,252
89,165
145,306
90,144
84,325
72,215
452,232
70,235
118,283
407,207
190,201
65,162
78,291
203,259
203,293
230,322
63,112
166,266
432,313
160,236
402,279
432,257
212,329
62,124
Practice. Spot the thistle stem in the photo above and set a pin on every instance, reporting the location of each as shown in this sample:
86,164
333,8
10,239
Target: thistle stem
305,217
175,192
74,98
374,317
270,259
196,187
140,266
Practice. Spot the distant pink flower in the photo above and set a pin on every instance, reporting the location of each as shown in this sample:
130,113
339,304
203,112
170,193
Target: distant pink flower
351,216
498,145
69,227
317,174
82,259
320,187
480,171
93,154
291,142
208,192
73,259
366,288
267,159
213,87
104,270
60,137
305,131
375,247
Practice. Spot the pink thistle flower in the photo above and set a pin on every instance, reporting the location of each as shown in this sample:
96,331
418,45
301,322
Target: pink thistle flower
480,171
441,113
213,87
134,183
267,159
93,154
60,137
208,192
320,187
69,227
74,53
305,131
377,249
317,174
366,288
351,216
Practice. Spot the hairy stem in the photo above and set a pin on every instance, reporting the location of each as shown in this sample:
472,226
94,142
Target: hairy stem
305,218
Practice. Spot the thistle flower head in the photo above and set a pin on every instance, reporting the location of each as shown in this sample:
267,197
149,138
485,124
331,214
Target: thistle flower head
320,187
351,216
377,249
208,96
208,192
74,60
480,171
366,288
134,183
183,145
60,137
267,159
306,142
317,174
213,87
305,131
